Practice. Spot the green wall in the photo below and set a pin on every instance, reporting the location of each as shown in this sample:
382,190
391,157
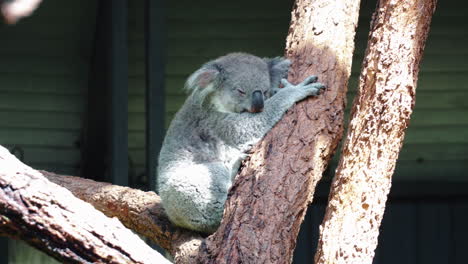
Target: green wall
436,144
45,65
197,32
44,68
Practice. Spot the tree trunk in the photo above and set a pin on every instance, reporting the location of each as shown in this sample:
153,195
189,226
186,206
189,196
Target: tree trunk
269,198
380,116
51,219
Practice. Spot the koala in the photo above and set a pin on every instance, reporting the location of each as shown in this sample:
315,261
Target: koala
234,101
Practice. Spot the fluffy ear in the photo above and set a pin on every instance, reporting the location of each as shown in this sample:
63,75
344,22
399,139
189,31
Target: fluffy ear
202,83
278,68
201,79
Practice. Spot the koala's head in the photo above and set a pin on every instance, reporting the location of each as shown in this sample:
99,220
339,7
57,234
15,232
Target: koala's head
237,82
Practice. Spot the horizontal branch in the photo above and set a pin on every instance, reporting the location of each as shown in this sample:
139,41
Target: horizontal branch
51,219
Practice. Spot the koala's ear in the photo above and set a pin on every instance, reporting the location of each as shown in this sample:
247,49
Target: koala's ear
278,68
201,79
202,83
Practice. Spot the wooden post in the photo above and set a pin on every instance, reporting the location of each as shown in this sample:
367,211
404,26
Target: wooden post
105,136
155,40
118,69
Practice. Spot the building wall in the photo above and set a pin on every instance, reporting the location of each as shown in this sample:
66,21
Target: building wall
45,67
198,31
436,144
44,64
421,230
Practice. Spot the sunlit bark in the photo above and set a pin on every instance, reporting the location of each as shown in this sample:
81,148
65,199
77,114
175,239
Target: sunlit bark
379,118
269,198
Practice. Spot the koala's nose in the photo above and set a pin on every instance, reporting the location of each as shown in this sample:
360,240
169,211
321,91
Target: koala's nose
257,101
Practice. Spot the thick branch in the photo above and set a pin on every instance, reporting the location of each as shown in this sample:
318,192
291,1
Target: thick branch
268,200
51,219
380,116
139,211
14,10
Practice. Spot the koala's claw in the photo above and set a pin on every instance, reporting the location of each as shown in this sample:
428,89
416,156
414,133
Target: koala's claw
320,86
310,85
316,88
309,80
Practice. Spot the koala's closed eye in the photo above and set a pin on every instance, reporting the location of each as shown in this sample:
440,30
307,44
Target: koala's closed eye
242,92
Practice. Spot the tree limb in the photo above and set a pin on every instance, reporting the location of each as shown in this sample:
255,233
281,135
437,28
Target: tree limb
139,211
51,219
380,116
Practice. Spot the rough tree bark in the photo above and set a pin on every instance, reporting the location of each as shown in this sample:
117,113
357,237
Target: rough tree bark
269,198
51,219
139,211
380,116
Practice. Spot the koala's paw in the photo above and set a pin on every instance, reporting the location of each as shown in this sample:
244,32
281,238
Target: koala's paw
309,86
309,80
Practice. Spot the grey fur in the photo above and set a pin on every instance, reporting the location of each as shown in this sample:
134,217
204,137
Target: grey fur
212,132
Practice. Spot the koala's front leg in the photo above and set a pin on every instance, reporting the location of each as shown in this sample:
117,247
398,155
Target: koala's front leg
249,128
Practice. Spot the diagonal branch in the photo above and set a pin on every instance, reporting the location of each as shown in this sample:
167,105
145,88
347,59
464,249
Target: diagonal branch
51,219
138,210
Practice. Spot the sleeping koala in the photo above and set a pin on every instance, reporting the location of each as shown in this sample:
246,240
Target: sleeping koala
234,101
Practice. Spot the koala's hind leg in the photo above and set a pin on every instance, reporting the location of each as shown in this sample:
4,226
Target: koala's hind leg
194,195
